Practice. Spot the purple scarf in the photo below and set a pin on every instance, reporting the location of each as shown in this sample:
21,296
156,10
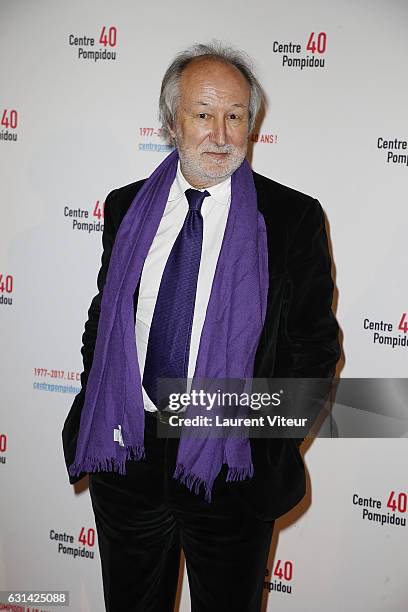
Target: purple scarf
228,343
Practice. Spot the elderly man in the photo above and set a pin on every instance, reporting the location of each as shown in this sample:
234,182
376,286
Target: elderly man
208,270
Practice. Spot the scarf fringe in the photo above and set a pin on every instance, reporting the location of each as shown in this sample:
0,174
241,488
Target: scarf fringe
191,480
239,473
91,465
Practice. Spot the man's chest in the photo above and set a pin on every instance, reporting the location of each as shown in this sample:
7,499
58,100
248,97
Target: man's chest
214,223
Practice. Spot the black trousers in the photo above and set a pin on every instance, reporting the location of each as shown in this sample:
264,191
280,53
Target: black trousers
143,520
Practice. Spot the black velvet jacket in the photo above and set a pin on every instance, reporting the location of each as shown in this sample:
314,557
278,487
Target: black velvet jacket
299,338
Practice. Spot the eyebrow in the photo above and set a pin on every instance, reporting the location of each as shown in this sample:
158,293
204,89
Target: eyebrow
201,103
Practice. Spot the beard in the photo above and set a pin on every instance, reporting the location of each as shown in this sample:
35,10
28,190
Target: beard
203,168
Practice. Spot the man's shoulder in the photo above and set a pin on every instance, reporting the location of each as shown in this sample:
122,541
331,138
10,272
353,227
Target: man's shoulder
126,192
277,198
119,199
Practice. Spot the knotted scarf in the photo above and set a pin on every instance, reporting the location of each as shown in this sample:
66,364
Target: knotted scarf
112,419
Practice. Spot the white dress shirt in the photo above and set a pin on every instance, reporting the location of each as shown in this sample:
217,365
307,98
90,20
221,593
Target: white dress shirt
214,211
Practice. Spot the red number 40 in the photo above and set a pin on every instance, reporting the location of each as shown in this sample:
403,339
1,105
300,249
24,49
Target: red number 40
110,38
285,572
9,119
399,504
87,537
320,46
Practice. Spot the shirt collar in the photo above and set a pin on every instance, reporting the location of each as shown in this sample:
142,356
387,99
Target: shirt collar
220,192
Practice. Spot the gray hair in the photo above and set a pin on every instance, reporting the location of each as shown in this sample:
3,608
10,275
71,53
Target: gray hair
169,93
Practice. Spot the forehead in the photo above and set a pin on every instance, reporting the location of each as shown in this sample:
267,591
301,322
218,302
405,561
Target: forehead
213,77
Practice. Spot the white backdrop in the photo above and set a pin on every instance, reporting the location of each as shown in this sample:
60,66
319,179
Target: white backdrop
79,120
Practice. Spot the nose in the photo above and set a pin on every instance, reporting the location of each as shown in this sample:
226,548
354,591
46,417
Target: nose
219,136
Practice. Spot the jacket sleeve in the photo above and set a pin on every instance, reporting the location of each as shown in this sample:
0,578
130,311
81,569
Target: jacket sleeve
308,345
71,425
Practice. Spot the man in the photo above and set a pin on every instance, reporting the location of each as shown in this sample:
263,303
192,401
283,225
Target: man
225,273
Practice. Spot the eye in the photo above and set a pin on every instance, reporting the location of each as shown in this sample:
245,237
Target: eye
202,115
233,116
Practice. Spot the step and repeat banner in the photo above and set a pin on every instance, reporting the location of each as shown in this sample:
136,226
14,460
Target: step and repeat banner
79,86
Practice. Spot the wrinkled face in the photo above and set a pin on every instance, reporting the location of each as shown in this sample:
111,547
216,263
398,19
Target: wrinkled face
211,125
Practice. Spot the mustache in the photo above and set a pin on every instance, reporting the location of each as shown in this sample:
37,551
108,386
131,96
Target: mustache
229,148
